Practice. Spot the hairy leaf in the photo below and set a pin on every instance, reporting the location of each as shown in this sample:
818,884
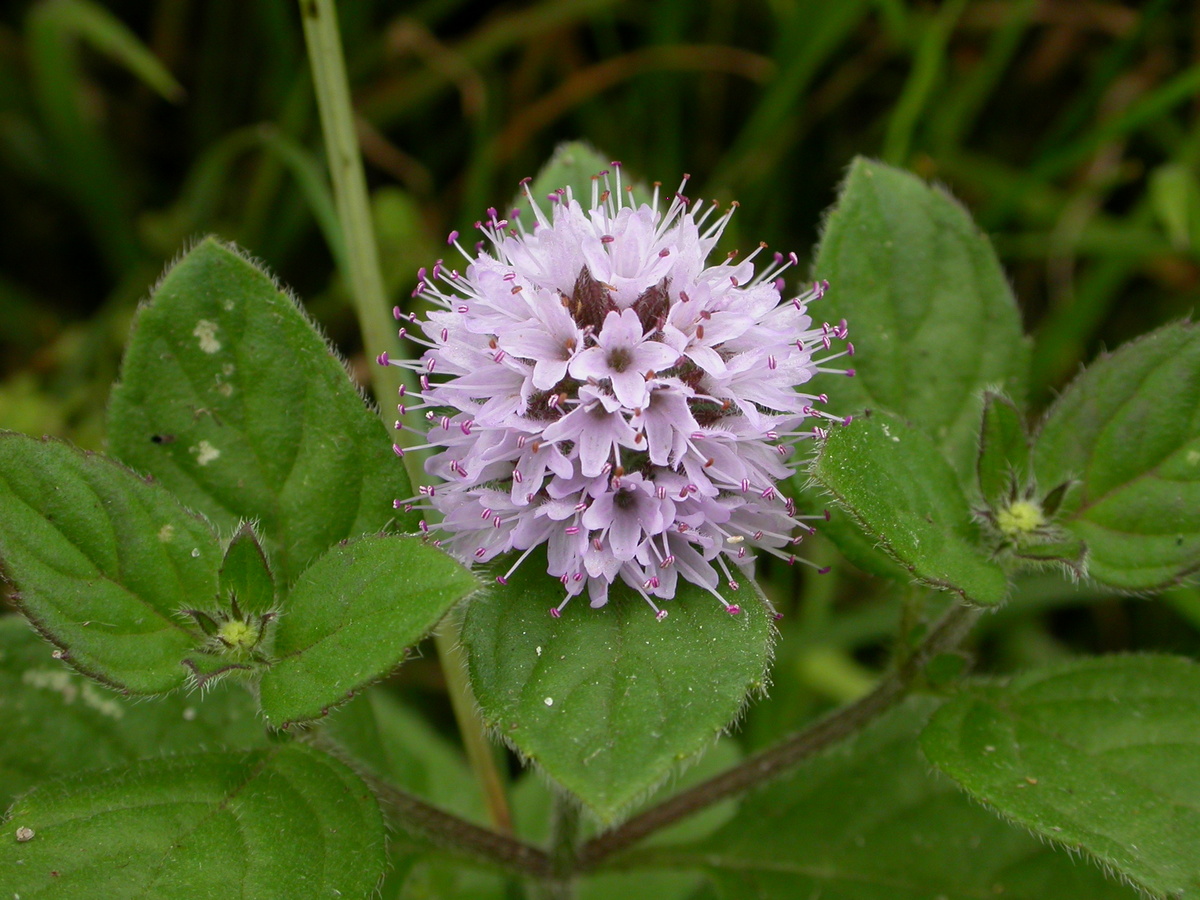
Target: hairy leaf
285,822
607,701
1099,755
232,399
58,723
352,617
1128,428
929,309
891,479
104,562
867,821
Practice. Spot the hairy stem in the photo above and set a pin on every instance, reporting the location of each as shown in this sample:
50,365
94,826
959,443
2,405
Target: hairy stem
448,831
774,761
371,307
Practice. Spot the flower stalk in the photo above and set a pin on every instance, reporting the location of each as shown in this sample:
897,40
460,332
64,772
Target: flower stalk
367,293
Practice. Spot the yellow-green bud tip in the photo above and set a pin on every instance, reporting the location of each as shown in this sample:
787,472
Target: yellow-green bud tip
1021,517
238,635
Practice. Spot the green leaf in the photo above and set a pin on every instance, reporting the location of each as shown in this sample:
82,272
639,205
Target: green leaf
287,822
1100,755
351,618
207,669
231,398
859,548
890,477
1128,428
1003,462
930,312
104,562
1070,553
607,701
533,800
58,723
867,821
245,576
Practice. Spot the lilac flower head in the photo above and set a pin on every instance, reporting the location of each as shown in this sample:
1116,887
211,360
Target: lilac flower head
594,385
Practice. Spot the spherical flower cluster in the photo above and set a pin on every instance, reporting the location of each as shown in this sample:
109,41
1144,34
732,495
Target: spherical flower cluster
593,385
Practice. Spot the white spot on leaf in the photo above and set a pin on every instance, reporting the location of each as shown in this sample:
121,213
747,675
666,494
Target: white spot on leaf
206,332
204,452
166,534
549,701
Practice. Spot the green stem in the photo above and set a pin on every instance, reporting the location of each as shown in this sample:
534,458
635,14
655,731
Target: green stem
427,822
480,754
564,843
371,306
346,171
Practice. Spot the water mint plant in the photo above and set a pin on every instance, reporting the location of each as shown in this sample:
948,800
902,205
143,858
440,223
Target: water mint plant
594,386
600,430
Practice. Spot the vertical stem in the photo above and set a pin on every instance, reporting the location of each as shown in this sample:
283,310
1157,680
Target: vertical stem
346,171
371,306
480,754
564,843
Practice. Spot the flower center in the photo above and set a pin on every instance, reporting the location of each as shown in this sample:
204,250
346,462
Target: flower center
619,359
624,500
1020,518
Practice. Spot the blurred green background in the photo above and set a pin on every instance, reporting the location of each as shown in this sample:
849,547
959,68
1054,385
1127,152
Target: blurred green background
1070,128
